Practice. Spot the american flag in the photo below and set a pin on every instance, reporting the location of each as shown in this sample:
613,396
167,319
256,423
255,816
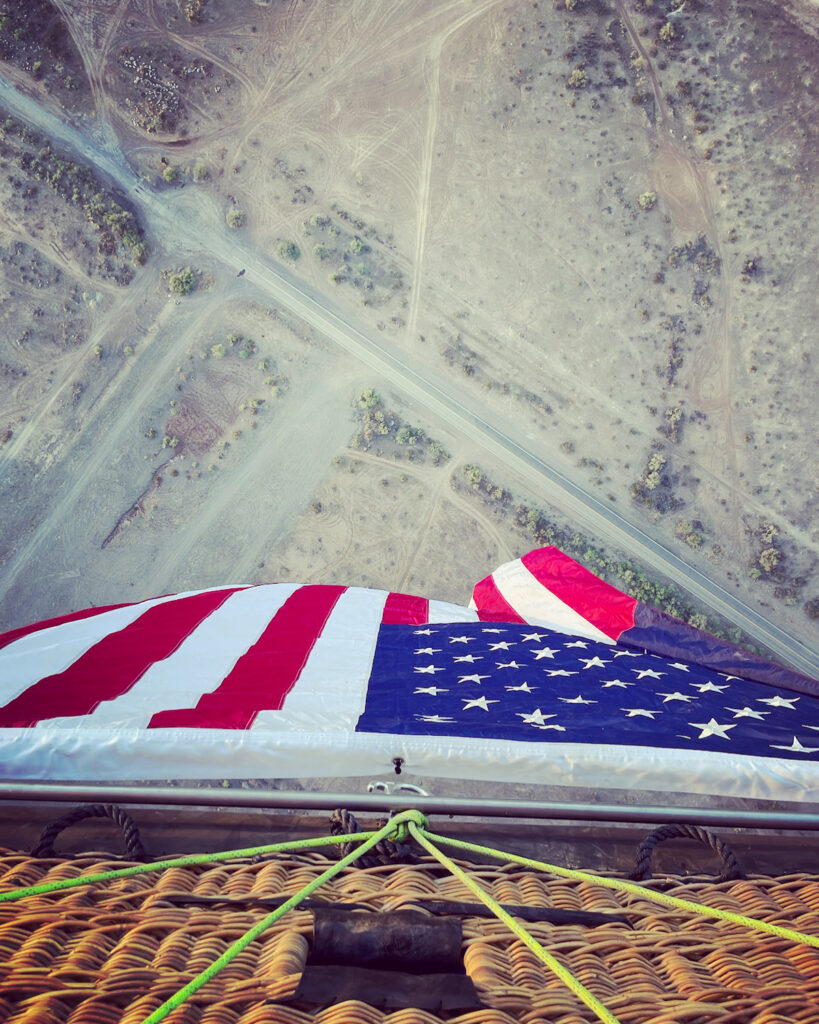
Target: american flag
289,681
511,682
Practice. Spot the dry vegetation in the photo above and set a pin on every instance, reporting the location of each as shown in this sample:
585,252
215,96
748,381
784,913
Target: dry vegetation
64,202
33,37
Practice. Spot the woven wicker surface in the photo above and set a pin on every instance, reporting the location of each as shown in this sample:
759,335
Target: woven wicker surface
114,952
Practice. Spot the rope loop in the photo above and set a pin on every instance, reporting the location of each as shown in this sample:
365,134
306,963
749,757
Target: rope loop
387,851
130,831
731,870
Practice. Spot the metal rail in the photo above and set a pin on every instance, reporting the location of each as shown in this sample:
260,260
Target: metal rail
383,802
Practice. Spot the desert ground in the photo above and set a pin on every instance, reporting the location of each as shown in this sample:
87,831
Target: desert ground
592,220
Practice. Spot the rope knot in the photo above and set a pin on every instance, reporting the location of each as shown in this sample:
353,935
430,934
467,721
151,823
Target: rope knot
390,850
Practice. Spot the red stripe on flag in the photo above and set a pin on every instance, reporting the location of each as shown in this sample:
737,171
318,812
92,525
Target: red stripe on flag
405,610
264,675
604,606
491,604
112,666
86,613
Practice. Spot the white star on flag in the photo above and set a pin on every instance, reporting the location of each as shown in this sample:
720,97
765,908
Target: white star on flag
471,679
579,699
559,672
679,665
537,637
494,631
524,687
545,652
422,632
428,650
795,747
712,728
640,672
708,687
684,697
560,728
748,713
577,643
434,690
626,654
535,718
469,657
433,718
460,639
502,645
617,682
593,663
779,702
478,702
507,664
428,670
640,713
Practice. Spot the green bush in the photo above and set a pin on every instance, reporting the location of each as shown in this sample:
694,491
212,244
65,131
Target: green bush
577,79
368,399
289,251
182,281
236,217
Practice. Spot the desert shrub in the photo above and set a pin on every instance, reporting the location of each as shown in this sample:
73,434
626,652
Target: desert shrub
368,399
289,251
182,281
577,79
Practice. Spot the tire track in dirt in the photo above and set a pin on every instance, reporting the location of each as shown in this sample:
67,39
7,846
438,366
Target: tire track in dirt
680,181
21,437
432,81
104,444
482,519
313,411
94,57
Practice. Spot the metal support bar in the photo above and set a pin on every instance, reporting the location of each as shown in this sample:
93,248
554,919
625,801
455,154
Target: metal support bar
381,802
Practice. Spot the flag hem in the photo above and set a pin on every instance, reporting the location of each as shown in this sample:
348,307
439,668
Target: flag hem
159,754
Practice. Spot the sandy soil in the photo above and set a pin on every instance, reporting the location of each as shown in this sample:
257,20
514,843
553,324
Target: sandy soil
598,220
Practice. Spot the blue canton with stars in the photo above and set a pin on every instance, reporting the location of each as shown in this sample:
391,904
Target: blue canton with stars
510,682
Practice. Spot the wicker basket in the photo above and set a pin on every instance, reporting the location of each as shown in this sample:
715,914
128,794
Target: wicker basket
112,953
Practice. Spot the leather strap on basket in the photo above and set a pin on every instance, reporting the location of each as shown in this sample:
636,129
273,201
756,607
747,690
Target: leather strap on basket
730,866
133,842
344,823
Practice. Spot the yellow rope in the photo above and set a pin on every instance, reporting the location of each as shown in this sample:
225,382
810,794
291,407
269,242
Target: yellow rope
393,826
637,890
553,964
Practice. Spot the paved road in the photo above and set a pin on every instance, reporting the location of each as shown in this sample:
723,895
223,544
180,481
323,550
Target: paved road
185,216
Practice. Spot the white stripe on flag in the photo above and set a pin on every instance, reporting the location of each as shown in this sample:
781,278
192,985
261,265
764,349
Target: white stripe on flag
46,652
330,692
539,606
198,666
442,611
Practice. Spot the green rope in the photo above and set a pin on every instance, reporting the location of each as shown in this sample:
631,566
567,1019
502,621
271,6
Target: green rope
182,862
394,825
553,964
637,890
